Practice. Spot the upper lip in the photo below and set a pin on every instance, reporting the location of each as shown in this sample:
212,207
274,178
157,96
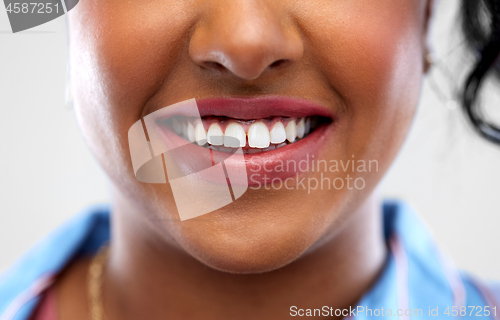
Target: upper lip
250,108
260,107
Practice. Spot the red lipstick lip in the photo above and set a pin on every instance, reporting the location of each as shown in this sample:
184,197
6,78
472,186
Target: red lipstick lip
250,108
265,167
260,107
261,167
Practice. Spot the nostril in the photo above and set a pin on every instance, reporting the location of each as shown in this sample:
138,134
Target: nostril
219,67
214,65
277,63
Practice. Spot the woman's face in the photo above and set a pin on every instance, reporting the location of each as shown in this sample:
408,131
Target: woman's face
359,61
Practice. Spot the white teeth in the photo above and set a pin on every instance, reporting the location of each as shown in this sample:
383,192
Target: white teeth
200,135
258,135
215,136
278,133
308,125
301,127
190,132
235,131
291,130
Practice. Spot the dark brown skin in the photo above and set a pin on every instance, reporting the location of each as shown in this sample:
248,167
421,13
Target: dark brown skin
269,250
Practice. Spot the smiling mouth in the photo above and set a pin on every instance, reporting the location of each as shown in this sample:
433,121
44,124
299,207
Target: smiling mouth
225,134
194,135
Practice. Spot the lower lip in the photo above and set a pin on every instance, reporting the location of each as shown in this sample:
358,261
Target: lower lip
269,166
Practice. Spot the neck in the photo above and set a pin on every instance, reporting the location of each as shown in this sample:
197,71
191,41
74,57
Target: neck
148,279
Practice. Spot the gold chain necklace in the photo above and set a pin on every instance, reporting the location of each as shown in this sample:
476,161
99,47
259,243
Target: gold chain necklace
95,281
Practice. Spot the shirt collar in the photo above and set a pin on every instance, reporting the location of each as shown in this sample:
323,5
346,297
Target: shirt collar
417,276
413,270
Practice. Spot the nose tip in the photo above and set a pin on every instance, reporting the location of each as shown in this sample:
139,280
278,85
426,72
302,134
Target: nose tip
245,43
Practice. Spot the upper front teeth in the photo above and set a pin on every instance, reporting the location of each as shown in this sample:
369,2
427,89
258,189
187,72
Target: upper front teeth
236,134
278,133
291,131
200,134
215,136
258,135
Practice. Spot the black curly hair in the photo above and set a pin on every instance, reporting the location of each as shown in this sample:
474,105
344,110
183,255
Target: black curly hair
481,27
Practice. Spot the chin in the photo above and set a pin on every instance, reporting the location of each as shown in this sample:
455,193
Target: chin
246,248
258,260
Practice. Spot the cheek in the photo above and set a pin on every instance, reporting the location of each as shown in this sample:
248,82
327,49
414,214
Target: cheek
128,48
121,54
371,52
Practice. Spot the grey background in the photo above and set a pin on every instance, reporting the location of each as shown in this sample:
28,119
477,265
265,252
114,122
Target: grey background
448,175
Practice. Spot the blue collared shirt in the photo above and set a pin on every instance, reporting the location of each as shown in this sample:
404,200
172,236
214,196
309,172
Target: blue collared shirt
418,281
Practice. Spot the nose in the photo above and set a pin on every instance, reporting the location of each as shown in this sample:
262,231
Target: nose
245,38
